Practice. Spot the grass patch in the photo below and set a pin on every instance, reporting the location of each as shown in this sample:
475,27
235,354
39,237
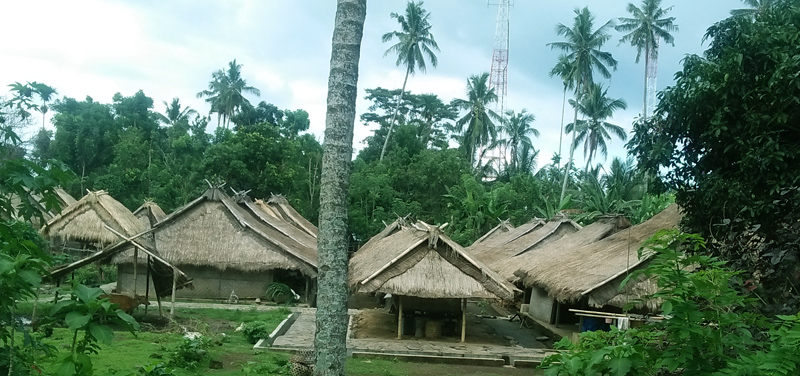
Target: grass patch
234,315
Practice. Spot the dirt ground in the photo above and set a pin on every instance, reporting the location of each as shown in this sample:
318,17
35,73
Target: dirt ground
379,324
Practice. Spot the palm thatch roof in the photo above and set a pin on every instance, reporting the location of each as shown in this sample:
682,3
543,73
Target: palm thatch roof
494,256
149,213
85,220
38,203
419,260
551,241
499,237
593,271
503,227
274,222
215,231
279,206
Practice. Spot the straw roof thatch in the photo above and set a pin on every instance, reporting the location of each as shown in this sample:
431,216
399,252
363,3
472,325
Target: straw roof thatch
274,222
593,271
552,240
419,260
37,202
149,212
84,221
503,227
214,231
499,237
494,256
279,206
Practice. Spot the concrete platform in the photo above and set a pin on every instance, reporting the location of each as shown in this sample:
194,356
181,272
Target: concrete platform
300,336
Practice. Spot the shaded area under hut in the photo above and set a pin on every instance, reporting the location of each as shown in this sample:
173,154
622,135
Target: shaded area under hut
578,272
429,276
227,249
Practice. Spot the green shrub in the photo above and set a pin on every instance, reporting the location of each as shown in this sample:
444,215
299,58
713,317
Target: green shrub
190,353
277,292
256,330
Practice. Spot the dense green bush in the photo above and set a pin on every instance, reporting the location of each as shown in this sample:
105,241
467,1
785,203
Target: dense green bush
190,353
256,330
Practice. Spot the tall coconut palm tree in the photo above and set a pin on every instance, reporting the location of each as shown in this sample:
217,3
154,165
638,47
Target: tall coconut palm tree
582,48
45,94
566,72
414,43
596,106
224,92
331,319
517,127
756,7
476,126
175,113
648,24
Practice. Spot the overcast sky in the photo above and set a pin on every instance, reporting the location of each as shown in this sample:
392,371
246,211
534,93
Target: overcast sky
170,48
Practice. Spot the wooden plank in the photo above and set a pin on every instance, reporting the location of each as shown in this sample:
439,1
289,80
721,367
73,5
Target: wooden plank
399,317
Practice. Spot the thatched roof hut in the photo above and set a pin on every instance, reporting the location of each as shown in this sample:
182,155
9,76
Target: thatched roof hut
214,231
278,206
85,221
593,271
504,233
37,202
495,255
149,213
273,221
99,220
503,227
551,240
421,261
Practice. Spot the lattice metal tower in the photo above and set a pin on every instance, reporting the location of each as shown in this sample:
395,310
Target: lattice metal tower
652,75
498,78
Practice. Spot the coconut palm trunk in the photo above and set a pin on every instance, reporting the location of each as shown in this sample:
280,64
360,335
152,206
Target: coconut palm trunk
646,68
571,145
331,320
561,135
394,115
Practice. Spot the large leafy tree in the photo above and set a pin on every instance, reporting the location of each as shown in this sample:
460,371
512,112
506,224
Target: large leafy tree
648,25
594,131
332,318
46,94
582,48
225,92
414,43
755,7
476,127
724,138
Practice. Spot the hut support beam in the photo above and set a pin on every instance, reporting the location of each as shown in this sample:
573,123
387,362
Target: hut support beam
463,319
135,270
147,286
174,284
399,317
308,282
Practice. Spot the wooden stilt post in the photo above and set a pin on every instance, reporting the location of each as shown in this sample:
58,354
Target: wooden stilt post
308,282
158,299
135,270
147,286
399,317
463,319
174,285
558,313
